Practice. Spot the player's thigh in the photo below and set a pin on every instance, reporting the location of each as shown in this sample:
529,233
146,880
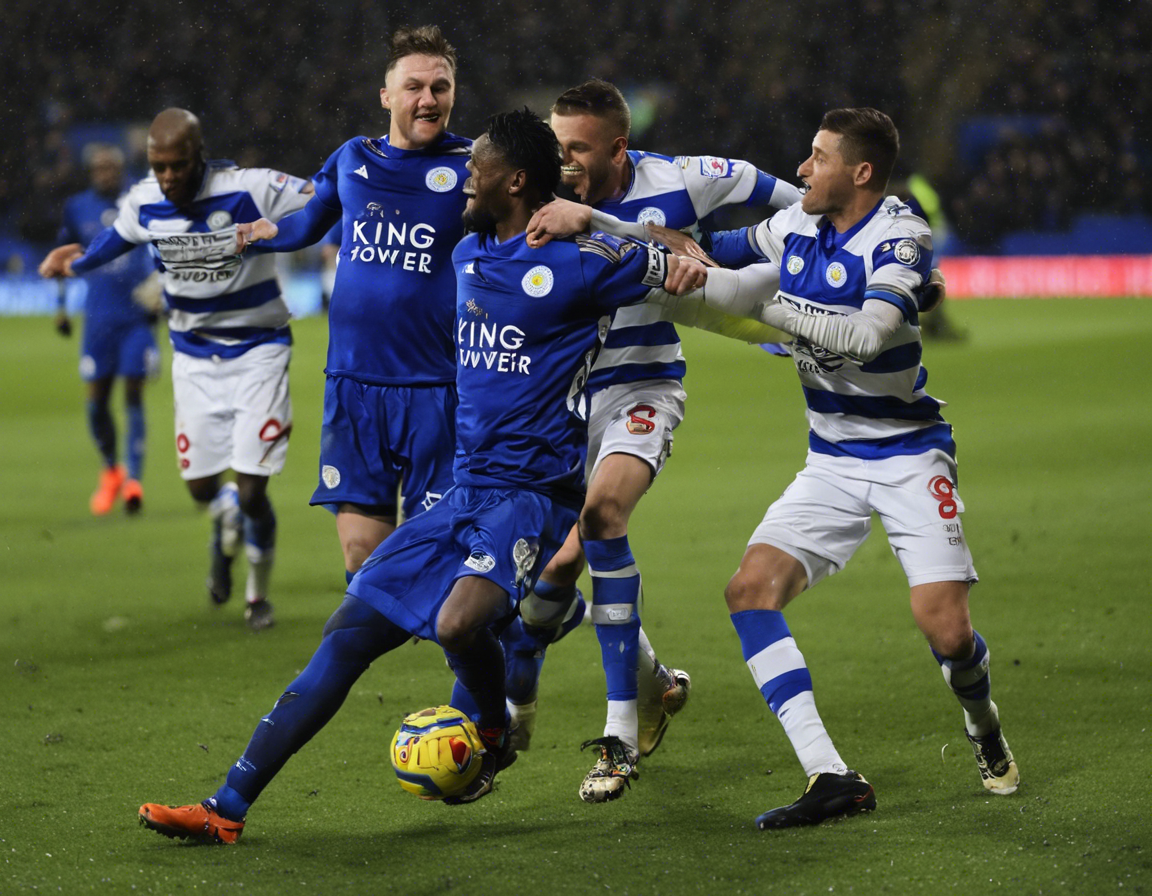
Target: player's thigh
637,419
138,357
422,439
918,504
99,352
356,466
203,416
820,520
262,406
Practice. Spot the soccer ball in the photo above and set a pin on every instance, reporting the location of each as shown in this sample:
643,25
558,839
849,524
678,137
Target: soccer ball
436,753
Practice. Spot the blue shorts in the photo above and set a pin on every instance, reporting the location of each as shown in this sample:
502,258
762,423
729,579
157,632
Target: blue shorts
118,348
377,440
504,535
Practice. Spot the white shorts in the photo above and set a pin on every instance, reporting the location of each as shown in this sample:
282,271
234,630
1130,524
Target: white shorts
826,514
232,412
636,419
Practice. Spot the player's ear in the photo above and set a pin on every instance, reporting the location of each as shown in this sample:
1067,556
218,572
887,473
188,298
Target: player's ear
864,174
619,147
517,182
384,98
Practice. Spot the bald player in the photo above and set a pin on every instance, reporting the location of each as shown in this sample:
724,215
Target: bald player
229,329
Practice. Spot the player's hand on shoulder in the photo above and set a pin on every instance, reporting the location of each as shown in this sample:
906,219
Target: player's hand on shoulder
556,220
58,262
679,243
684,274
246,234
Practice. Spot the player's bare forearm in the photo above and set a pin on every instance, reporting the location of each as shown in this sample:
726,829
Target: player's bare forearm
679,242
58,262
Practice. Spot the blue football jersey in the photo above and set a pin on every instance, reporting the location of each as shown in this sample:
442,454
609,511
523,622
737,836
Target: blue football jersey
394,297
526,331
110,287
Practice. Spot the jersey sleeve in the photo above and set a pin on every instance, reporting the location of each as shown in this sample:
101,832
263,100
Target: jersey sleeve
713,182
275,193
325,182
127,223
768,239
620,272
901,264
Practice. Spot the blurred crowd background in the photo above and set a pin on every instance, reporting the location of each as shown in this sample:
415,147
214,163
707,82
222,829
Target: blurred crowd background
1016,119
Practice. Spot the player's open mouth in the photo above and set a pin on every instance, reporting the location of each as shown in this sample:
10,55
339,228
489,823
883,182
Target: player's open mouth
429,116
804,186
468,189
571,170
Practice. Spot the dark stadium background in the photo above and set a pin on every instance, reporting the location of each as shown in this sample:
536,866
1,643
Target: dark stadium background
1023,117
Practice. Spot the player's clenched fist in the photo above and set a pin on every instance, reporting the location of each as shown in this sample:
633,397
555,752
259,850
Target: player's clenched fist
684,275
246,234
58,262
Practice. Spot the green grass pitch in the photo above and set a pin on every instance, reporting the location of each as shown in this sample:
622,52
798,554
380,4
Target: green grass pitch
119,684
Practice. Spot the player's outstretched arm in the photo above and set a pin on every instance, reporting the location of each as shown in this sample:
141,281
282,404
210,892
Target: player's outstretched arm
679,243
58,262
861,336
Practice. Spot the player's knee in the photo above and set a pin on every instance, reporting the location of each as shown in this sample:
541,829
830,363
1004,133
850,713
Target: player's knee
253,496
749,590
605,518
455,630
357,549
203,490
953,641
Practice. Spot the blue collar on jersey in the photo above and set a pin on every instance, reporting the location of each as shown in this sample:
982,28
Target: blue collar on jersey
831,239
446,142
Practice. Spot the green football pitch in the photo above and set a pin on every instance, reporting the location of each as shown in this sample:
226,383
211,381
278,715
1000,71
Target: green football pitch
119,684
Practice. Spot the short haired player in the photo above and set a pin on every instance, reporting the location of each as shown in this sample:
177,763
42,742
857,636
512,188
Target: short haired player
636,402
844,268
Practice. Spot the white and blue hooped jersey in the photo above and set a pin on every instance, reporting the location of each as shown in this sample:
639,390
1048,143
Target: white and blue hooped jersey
225,312
671,192
877,408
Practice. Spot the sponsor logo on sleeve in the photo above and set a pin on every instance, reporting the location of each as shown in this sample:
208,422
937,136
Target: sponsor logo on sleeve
836,275
538,281
480,561
440,180
907,252
652,215
795,264
712,166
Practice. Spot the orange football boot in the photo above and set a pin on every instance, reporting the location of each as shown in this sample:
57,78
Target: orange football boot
196,822
104,498
133,494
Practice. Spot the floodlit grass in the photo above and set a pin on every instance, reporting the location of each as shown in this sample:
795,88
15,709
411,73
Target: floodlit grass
119,684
